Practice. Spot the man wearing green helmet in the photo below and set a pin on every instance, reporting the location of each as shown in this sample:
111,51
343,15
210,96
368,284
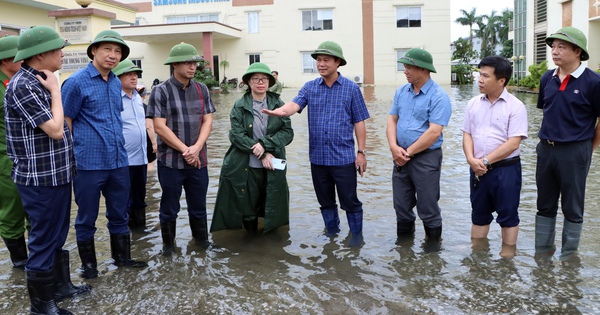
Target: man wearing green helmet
40,145
12,215
420,110
93,106
570,99
337,109
182,112
134,132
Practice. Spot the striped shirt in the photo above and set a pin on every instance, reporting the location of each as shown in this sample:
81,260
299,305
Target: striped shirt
332,113
38,160
183,109
95,107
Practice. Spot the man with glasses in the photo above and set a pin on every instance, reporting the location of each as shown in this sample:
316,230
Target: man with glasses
419,112
570,99
93,106
182,112
337,110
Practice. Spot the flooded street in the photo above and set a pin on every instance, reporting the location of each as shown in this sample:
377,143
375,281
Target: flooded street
298,270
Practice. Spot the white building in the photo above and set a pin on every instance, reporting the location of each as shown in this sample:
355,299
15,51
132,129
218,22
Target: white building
374,34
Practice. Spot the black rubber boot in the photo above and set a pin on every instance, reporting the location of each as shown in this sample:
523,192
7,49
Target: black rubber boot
433,240
137,219
18,251
41,288
405,232
332,221
87,253
167,230
62,277
199,229
251,225
120,247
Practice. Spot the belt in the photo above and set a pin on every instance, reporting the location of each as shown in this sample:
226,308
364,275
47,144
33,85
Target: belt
506,162
424,152
556,143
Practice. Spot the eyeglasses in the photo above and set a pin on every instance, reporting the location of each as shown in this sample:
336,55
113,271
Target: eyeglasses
259,80
191,63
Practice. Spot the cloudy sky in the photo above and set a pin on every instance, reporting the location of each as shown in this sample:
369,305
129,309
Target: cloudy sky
483,7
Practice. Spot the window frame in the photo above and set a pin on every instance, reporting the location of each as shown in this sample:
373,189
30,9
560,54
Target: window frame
400,66
306,55
252,58
325,24
409,21
253,29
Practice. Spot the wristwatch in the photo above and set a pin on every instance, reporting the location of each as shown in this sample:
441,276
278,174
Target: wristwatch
486,162
363,152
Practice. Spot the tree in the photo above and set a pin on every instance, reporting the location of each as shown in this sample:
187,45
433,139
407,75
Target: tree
463,51
468,19
488,32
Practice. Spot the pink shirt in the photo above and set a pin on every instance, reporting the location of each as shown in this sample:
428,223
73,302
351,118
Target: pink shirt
490,125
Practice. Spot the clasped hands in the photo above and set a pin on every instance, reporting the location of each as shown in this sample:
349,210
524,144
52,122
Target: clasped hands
258,150
477,166
192,157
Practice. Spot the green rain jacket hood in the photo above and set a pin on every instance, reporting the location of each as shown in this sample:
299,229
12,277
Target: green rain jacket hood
231,202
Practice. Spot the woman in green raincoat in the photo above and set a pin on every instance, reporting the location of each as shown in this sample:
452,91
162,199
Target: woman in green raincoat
249,185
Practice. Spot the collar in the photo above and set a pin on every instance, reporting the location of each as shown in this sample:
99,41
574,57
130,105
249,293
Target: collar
178,84
503,96
576,73
425,88
338,80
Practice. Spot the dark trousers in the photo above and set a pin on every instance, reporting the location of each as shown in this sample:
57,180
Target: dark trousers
326,179
418,184
49,210
195,183
561,171
137,179
498,190
114,186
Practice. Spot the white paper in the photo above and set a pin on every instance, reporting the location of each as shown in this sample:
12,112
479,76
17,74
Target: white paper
278,164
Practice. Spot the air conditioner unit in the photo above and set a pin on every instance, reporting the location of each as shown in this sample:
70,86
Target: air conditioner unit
358,79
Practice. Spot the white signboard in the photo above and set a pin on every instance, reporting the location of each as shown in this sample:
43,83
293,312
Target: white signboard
75,60
76,31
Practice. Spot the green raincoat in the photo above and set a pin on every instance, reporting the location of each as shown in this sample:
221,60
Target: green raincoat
232,203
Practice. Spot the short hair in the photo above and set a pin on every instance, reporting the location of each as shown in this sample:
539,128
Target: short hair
277,73
501,65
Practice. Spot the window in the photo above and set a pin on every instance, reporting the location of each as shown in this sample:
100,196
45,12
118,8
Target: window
408,16
399,54
138,63
253,25
192,18
253,58
317,20
309,65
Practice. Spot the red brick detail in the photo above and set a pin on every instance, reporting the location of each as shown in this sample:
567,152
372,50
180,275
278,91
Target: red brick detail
243,3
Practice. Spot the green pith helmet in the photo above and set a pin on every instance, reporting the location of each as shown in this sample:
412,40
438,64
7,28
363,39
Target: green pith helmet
419,58
258,67
126,66
571,35
183,52
38,40
330,48
8,46
109,36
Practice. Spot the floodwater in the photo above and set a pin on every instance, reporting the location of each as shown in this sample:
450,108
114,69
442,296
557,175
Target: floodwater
298,270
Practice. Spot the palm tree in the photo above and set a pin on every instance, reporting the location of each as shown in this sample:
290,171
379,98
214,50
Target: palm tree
489,31
468,18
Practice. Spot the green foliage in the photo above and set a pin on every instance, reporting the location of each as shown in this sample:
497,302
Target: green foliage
463,51
464,73
204,75
507,49
533,80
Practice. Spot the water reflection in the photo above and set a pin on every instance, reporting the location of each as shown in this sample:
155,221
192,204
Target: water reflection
298,270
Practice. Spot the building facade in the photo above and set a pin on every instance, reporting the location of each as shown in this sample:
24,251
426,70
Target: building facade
374,34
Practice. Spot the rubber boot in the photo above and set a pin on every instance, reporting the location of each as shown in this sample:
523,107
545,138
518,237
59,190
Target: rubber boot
41,288
332,221
199,229
250,225
433,239
570,239
545,233
87,253
120,247
355,222
62,278
167,230
18,251
137,219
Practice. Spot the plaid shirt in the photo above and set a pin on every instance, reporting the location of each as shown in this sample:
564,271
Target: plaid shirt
331,117
183,110
38,159
95,107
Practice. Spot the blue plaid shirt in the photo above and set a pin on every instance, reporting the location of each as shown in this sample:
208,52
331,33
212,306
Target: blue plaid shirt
38,160
331,117
95,107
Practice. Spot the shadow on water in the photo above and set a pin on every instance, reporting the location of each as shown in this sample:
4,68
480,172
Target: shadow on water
298,270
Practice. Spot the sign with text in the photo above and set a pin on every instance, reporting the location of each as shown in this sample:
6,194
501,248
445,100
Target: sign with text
75,60
175,2
76,31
